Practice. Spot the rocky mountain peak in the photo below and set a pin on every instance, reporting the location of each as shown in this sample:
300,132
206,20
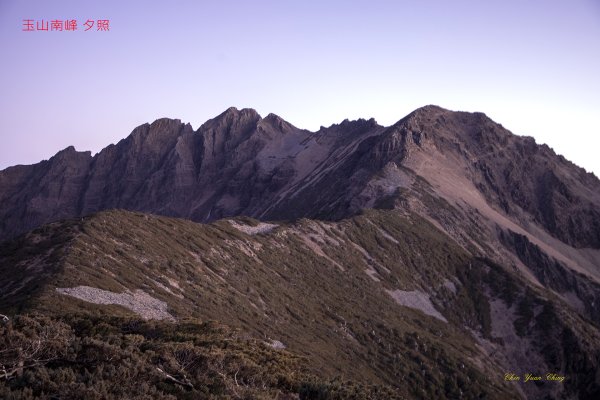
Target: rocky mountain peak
66,150
165,124
233,113
70,155
232,119
238,162
153,140
358,123
430,109
349,129
276,122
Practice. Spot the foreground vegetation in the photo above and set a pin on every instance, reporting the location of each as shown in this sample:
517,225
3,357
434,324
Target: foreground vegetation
319,290
108,358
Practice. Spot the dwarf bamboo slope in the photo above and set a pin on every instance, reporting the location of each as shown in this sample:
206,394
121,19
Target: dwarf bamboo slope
382,298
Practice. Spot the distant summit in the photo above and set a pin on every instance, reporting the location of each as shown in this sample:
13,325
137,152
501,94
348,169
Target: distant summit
242,164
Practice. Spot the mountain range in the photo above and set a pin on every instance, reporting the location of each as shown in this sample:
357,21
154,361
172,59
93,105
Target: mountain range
433,257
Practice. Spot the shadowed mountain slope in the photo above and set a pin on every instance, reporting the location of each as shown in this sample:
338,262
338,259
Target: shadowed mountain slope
241,164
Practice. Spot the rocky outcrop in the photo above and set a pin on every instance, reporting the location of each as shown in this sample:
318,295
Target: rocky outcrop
578,289
523,179
236,163
240,163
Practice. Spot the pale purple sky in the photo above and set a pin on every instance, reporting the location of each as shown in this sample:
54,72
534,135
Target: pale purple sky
531,65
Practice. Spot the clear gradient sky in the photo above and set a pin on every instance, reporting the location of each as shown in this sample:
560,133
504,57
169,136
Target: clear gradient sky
531,65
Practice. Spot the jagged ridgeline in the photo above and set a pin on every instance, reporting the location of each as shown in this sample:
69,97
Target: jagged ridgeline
440,257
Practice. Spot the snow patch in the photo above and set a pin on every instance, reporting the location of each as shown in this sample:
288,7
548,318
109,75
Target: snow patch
312,242
248,248
276,344
372,274
164,287
387,236
369,258
450,286
262,227
139,301
172,282
417,300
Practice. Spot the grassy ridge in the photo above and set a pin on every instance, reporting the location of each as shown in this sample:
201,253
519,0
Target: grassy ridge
302,284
